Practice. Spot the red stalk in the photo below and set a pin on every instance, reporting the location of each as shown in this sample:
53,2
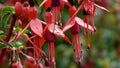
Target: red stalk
16,38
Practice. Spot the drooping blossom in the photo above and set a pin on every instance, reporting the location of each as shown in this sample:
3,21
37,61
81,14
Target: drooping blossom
26,16
74,26
51,31
89,10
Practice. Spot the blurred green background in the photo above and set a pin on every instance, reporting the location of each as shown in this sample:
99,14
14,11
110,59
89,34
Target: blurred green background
105,42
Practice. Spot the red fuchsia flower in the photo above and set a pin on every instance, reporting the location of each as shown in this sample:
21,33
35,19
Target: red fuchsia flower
35,24
88,7
89,10
50,32
74,27
70,23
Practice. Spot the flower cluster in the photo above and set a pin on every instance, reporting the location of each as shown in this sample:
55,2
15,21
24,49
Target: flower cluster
52,27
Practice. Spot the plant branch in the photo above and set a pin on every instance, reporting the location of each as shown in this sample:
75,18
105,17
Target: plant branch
11,28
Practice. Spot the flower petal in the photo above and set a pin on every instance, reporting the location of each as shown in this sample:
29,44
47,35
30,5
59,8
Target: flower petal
68,25
36,27
84,25
58,32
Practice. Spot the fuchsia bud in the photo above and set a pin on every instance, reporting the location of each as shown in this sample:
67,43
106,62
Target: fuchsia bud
26,13
18,8
75,29
17,64
33,12
30,59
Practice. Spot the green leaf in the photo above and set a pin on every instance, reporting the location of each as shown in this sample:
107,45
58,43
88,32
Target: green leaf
4,20
2,46
16,45
8,9
2,36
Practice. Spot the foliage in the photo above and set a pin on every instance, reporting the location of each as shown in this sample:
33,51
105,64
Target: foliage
30,28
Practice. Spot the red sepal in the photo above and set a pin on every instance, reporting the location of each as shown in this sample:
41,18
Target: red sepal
36,27
102,8
84,25
58,32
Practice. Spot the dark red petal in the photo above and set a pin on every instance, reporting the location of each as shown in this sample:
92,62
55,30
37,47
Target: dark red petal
49,36
55,3
84,25
36,27
58,32
75,29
